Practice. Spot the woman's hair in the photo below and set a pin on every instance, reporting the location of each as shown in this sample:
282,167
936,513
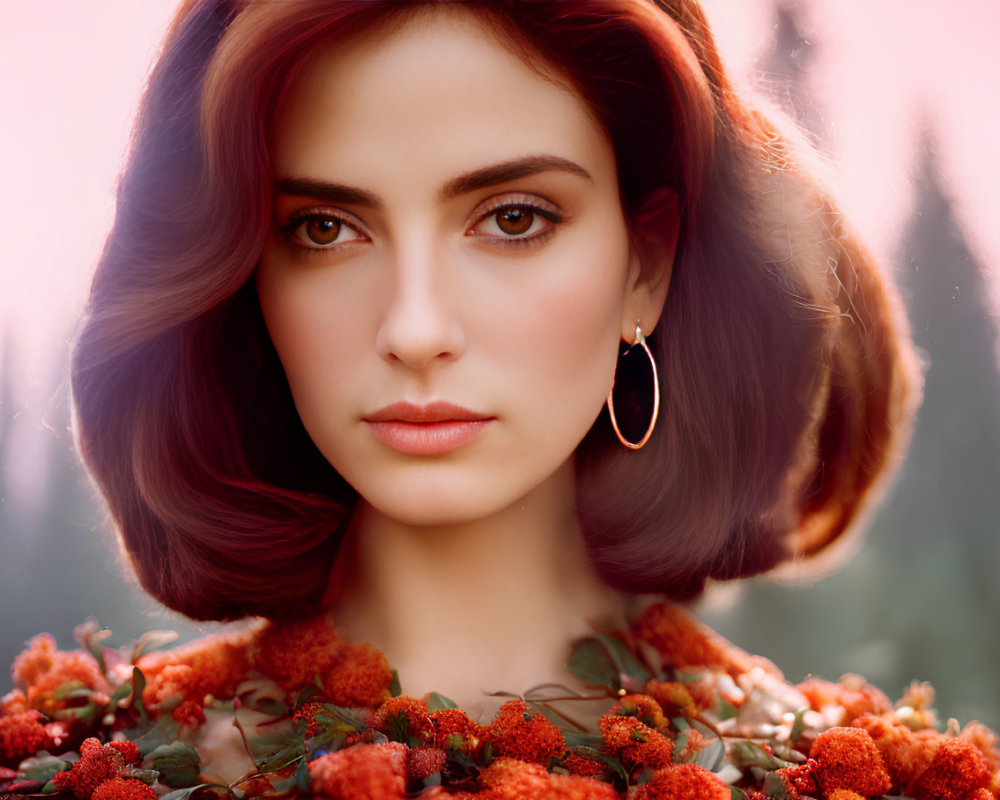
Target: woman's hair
788,382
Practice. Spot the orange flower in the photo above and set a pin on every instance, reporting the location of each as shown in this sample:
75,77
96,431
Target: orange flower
14,702
851,693
21,735
684,641
516,735
682,698
509,779
362,772
684,782
403,719
214,665
422,762
359,677
847,758
455,730
906,754
645,709
635,744
98,763
581,765
190,713
958,769
294,653
986,742
41,669
123,789
844,794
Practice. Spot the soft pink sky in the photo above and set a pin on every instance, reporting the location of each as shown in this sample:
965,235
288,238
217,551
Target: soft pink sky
71,71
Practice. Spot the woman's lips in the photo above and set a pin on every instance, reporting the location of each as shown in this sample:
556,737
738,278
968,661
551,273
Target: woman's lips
427,430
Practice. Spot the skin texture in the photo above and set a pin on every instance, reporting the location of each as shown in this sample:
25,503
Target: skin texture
421,295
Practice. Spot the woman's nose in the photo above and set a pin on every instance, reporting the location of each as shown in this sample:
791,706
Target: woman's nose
421,324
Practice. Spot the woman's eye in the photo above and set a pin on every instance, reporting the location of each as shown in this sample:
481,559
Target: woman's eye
514,222
319,231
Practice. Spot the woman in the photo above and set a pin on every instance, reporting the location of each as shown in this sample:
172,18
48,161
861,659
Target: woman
351,348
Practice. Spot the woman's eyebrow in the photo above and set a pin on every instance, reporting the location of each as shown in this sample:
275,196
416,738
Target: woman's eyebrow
330,192
509,171
469,182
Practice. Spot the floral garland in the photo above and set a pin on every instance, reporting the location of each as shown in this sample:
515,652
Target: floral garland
687,716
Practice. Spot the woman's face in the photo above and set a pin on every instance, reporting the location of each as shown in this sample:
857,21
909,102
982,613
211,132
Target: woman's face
449,273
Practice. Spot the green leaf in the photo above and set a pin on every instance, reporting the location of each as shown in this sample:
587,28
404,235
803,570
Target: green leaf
150,640
45,766
774,786
123,691
608,760
147,776
184,794
574,739
305,696
734,794
591,662
303,780
438,702
750,754
178,763
282,758
680,723
395,688
94,646
799,726
625,661
711,756
163,732
49,788
72,689
726,710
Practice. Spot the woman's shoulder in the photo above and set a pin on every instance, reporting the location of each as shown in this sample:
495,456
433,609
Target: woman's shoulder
292,710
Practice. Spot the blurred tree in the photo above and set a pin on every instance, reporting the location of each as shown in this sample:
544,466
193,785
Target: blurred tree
917,602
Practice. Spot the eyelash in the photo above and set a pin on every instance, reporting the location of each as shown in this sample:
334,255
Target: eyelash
300,218
553,217
297,220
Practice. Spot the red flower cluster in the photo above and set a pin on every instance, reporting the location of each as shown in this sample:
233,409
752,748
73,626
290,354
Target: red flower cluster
683,782
455,730
123,789
22,735
41,669
852,693
403,719
295,653
635,744
362,772
515,734
644,708
508,779
683,640
98,764
847,758
926,764
206,668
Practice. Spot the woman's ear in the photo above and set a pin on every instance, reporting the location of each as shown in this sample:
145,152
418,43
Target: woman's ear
654,244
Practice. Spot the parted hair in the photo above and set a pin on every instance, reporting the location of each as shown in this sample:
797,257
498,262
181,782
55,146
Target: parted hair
788,379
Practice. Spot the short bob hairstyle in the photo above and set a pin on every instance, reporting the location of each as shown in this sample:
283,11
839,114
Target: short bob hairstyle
787,375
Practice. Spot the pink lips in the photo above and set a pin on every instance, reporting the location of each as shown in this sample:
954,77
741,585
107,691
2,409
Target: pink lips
428,430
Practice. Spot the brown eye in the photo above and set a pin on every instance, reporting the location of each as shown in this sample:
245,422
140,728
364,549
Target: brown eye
322,230
515,220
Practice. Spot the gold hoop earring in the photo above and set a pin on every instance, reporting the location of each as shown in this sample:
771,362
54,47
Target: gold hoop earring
640,341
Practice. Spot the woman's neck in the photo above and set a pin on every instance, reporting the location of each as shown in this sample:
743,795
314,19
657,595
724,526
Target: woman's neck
489,605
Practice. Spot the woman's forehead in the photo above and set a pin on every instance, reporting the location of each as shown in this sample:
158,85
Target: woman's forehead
437,96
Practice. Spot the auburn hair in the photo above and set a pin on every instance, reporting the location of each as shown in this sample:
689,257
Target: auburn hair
788,379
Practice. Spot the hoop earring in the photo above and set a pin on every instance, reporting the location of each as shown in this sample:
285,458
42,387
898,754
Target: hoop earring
640,341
